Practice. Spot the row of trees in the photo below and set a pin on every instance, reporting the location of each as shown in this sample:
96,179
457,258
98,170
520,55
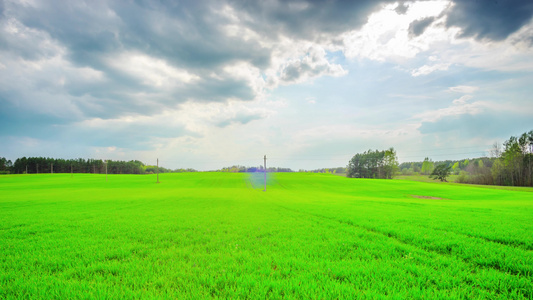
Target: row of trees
338,170
426,167
416,168
511,165
373,164
243,169
34,165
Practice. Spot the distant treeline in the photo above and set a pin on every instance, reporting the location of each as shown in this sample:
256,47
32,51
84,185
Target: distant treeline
511,165
426,167
243,169
34,165
337,170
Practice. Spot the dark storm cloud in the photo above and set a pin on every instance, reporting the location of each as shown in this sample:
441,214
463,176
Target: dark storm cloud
419,26
83,27
188,35
306,19
495,19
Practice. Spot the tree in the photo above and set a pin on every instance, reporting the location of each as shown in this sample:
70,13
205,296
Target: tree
441,172
427,166
390,163
496,150
480,163
465,163
456,168
5,165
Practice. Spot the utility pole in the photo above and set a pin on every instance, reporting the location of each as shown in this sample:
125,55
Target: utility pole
106,170
52,168
529,158
265,174
157,168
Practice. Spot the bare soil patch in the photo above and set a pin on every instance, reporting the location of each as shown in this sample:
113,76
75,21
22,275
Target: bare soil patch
428,197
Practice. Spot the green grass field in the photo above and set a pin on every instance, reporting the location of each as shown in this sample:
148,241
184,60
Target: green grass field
218,235
423,178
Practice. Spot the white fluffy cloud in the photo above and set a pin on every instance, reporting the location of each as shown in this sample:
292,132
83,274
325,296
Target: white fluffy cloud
313,63
428,69
464,89
150,71
386,34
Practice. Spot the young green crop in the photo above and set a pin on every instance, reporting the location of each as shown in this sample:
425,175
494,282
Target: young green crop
218,235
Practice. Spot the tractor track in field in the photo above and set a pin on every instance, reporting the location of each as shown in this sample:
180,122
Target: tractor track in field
513,244
401,241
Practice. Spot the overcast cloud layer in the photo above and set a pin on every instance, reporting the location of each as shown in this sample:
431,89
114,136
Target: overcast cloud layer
206,84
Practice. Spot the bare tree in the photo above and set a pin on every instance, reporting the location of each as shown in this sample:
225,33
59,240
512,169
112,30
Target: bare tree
496,150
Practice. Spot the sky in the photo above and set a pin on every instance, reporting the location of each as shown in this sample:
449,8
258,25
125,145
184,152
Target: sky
209,84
